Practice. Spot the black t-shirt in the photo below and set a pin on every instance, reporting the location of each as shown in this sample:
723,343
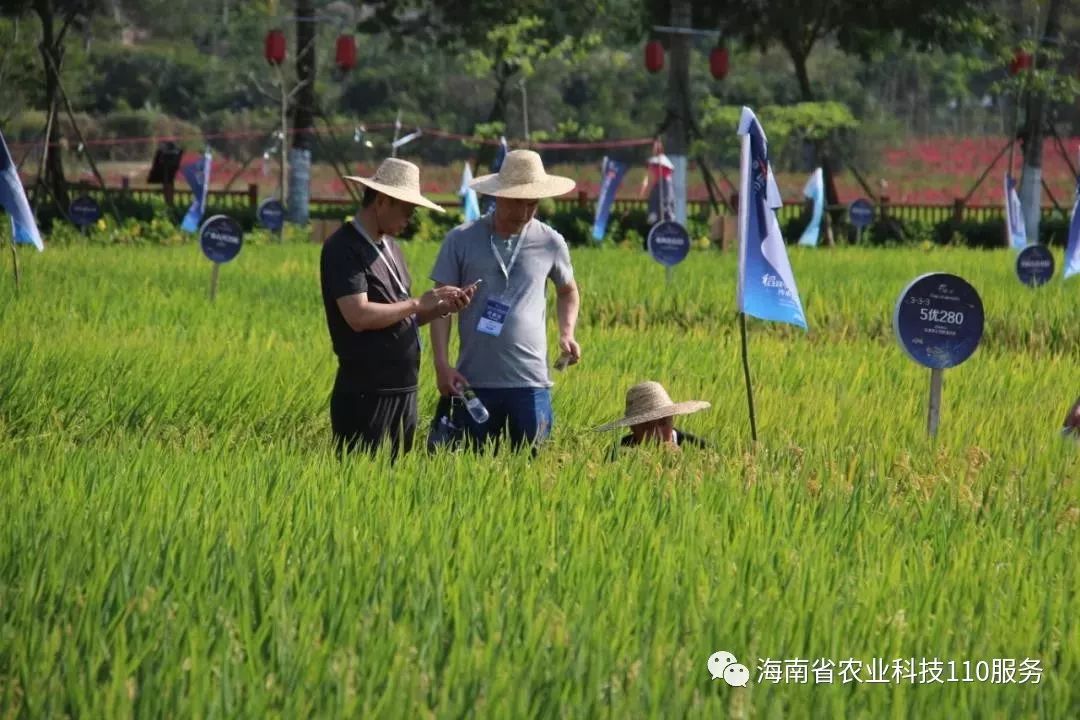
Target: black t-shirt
382,361
681,439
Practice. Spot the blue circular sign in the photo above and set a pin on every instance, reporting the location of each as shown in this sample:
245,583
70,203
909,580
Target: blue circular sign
861,213
271,214
84,211
668,243
220,238
1035,265
939,320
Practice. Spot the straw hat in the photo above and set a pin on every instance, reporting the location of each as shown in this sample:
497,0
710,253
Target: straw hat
399,179
661,160
521,176
649,401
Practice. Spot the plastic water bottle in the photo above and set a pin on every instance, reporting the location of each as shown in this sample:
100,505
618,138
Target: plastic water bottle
474,406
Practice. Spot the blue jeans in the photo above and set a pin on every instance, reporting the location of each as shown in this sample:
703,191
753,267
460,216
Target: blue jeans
522,413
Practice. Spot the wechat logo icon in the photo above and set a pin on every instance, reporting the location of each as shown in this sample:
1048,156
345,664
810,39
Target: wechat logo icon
723,664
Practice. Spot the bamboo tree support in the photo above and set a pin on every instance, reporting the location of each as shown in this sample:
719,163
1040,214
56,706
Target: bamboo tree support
712,188
1008,147
247,163
858,176
1057,206
39,181
341,171
1063,151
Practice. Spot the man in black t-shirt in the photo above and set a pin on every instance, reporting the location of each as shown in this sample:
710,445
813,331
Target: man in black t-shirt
372,318
1071,425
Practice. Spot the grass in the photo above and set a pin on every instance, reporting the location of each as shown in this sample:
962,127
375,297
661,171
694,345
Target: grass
178,539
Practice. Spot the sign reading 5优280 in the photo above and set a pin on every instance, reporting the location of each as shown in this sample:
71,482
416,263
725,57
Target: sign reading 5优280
939,320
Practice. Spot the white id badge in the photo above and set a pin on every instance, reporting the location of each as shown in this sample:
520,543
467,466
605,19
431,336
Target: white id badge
495,312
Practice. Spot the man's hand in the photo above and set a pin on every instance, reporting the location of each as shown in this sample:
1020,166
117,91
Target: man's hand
444,300
449,380
570,349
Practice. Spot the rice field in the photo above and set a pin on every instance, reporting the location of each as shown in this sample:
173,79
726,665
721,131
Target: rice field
177,538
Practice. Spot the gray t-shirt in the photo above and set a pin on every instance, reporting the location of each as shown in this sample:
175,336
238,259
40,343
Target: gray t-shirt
518,356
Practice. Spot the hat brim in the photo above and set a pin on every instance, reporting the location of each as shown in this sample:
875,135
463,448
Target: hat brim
680,408
553,186
413,198
661,160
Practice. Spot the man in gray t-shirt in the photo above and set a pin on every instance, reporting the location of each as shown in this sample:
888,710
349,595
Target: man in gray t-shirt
503,331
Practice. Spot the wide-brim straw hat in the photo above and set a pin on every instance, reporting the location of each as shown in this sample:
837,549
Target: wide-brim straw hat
522,177
661,160
400,179
649,401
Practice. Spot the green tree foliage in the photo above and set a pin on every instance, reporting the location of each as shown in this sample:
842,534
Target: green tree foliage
196,64
788,126
56,18
855,26
504,39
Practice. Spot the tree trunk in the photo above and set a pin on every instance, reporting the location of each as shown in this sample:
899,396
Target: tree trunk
1032,134
832,197
303,114
677,137
498,107
486,154
52,57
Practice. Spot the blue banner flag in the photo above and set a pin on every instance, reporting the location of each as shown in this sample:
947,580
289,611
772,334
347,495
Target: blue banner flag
766,285
197,175
500,155
612,172
1072,247
1014,216
814,190
470,204
13,199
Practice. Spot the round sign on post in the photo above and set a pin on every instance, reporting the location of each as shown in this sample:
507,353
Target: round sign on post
939,322
84,211
221,238
668,243
861,213
1035,265
271,214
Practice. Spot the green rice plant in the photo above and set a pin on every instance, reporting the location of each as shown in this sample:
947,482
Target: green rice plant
178,538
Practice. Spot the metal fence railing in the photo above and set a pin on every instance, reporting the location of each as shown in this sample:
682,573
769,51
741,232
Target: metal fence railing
247,200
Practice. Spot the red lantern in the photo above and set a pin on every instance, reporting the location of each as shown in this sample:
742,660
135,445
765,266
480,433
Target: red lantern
654,56
274,49
718,62
1021,61
345,53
